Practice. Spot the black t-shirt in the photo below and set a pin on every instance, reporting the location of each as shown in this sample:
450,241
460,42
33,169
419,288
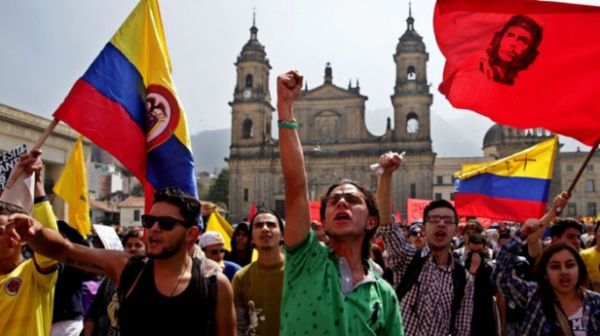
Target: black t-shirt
147,312
483,321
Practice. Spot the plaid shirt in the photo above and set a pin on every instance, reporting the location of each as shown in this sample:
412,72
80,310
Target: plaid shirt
525,294
426,308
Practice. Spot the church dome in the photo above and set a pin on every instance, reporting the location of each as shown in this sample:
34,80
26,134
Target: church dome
410,40
253,50
253,45
502,135
493,136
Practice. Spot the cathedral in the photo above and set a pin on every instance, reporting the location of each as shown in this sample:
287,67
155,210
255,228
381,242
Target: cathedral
337,143
332,130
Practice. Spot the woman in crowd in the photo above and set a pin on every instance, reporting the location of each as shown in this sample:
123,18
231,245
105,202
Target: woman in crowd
241,247
557,302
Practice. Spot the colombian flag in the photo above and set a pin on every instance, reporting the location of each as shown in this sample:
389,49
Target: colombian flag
513,188
126,103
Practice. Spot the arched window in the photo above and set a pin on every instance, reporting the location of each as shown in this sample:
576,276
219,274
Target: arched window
248,80
411,74
247,129
412,123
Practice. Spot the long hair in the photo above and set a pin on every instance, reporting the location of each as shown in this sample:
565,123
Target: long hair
243,228
371,206
523,62
547,296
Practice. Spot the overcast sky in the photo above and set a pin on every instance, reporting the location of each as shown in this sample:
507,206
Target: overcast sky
47,45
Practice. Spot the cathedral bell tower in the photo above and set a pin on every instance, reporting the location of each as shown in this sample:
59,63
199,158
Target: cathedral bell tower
412,128
411,98
252,147
251,106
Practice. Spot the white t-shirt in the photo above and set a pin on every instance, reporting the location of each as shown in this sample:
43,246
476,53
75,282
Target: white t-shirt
576,321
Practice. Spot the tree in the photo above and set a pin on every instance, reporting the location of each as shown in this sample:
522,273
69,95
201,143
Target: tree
137,190
219,191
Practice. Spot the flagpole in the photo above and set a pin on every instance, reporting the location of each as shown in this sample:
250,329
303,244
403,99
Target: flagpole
585,163
18,170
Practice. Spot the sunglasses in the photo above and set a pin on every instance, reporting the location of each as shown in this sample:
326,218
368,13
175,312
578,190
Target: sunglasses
416,233
215,252
349,197
165,223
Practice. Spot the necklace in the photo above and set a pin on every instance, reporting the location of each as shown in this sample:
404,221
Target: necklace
179,278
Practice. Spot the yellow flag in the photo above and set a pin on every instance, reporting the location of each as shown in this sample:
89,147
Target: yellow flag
72,188
534,162
217,223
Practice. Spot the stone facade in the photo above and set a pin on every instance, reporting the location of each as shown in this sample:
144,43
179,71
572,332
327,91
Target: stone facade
585,199
338,145
332,129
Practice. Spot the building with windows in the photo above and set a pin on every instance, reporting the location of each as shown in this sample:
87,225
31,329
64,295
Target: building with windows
332,130
338,145
19,127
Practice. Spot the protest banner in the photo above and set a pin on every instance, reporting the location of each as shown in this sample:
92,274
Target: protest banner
8,161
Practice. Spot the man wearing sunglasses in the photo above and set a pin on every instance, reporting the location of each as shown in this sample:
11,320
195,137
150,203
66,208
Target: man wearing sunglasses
165,295
416,236
435,291
213,246
328,289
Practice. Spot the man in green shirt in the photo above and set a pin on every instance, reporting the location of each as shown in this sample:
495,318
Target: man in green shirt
257,287
328,290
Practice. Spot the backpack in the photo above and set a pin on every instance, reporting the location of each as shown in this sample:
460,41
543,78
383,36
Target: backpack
410,277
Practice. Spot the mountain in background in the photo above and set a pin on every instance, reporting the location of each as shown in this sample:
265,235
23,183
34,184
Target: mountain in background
210,148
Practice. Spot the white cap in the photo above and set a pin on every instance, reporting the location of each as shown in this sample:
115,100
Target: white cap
209,238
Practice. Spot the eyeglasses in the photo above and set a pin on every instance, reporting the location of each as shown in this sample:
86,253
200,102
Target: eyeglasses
215,252
350,198
416,233
435,219
165,223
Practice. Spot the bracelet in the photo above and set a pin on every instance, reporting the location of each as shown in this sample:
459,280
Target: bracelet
291,124
40,199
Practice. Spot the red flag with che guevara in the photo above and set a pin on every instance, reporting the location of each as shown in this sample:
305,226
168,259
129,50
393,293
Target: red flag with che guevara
523,63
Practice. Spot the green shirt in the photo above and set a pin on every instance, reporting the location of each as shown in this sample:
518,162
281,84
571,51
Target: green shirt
257,298
315,304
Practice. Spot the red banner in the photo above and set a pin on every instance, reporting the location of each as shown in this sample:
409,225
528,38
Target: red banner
315,207
521,63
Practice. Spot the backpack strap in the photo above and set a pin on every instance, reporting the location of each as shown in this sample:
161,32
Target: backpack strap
130,275
411,274
207,287
459,281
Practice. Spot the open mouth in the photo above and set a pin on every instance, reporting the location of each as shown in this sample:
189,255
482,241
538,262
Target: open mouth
153,240
439,234
565,281
341,216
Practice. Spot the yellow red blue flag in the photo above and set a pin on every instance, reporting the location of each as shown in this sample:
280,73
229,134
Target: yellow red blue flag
512,188
126,103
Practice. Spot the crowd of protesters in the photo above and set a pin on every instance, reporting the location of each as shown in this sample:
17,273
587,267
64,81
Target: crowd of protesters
357,271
